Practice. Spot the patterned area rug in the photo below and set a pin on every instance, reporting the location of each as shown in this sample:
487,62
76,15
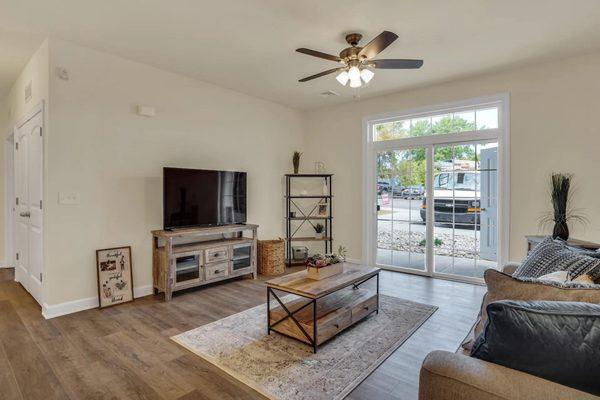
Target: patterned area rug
285,369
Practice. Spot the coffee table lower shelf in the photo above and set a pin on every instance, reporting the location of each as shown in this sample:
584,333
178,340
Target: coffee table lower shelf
314,321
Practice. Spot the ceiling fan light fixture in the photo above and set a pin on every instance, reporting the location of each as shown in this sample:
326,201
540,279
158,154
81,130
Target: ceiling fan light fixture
343,78
367,75
354,74
355,82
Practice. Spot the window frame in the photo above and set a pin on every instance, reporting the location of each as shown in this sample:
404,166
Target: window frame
500,134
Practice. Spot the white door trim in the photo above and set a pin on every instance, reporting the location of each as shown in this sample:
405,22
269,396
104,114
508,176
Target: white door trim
502,134
9,199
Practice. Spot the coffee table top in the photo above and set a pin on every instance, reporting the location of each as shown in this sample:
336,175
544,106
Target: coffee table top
299,283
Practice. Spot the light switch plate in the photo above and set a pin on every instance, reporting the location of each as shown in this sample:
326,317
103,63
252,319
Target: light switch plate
69,198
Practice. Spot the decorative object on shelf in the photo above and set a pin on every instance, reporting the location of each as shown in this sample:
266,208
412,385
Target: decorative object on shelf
325,188
319,231
562,213
271,257
300,253
323,266
305,205
322,210
115,278
296,161
319,167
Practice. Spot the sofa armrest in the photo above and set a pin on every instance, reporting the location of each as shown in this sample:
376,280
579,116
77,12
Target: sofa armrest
450,376
510,268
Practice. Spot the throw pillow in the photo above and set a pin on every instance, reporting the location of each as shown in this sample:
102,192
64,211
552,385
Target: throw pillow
555,340
505,287
553,255
562,277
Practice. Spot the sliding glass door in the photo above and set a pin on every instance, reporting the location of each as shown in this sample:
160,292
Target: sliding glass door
436,189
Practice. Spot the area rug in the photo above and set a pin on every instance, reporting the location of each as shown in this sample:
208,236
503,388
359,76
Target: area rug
284,369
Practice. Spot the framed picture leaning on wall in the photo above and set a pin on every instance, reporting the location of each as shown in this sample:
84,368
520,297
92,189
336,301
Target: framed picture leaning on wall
115,276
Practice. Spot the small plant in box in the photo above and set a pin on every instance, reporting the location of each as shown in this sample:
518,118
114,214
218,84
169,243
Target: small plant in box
323,260
319,231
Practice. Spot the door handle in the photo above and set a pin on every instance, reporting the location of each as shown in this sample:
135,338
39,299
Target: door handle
25,214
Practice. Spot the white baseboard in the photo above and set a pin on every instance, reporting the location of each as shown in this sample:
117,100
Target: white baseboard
69,307
3,264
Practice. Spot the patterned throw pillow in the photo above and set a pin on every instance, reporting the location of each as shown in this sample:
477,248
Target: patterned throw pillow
553,255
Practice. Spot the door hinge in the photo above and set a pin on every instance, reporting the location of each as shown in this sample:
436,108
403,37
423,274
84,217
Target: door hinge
17,146
17,201
40,131
41,277
40,204
17,256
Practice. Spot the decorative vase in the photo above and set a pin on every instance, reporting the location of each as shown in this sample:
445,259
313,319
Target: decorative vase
325,189
296,166
561,230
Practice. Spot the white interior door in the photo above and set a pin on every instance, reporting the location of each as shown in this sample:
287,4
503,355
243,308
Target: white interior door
29,217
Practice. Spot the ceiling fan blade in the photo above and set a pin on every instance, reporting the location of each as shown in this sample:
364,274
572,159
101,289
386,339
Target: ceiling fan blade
396,64
315,53
378,44
320,74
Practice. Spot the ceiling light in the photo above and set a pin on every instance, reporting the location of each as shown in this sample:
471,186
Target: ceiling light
342,78
366,75
355,82
354,73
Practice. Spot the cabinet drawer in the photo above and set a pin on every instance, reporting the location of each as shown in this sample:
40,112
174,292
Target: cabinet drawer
329,329
216,254
363,309
216,270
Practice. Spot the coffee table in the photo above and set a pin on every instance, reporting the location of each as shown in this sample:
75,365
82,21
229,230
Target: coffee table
324,307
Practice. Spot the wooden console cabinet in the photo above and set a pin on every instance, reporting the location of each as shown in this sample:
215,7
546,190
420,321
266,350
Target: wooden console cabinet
186,258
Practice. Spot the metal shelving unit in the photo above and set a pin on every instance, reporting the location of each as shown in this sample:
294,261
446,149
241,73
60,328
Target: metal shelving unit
308,217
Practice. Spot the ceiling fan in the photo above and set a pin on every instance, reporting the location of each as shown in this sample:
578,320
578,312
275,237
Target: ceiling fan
358,61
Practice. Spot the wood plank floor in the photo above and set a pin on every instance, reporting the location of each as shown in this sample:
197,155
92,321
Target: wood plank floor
125,352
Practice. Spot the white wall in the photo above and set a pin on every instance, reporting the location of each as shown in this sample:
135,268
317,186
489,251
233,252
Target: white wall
101,149
13,108
553,110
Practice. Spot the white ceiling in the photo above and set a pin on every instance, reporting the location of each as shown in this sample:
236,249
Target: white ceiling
248,45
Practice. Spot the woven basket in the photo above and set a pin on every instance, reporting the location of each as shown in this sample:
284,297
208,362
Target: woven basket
271,257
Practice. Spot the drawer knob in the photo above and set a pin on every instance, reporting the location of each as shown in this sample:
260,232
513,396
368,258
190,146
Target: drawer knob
218,271
367,308
336,326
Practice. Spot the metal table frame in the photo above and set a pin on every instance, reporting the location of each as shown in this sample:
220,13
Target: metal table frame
311,301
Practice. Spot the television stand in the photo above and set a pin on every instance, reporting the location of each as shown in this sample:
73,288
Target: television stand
191,257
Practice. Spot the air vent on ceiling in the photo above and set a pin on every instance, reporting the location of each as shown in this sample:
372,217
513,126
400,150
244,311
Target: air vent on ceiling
328,93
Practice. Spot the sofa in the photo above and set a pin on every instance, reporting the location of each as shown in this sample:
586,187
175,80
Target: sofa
457,376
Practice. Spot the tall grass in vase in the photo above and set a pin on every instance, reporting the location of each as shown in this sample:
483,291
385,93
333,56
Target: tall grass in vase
562,211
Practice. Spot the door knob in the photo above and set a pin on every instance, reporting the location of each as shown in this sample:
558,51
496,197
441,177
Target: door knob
25,214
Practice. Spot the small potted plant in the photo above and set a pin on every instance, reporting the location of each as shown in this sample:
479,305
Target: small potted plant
296,161
319,231
323,266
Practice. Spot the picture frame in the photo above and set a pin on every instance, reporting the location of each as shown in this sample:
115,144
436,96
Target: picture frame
322,210
114,268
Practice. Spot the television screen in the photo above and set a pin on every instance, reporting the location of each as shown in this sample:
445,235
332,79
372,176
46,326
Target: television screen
194,197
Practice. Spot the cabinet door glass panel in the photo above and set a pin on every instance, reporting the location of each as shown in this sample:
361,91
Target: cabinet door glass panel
400,217
242,257
187,268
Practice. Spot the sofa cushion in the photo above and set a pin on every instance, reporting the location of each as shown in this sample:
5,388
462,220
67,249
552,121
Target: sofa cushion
555,340
505,287
554,255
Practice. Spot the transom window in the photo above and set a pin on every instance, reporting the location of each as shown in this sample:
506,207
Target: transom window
476,119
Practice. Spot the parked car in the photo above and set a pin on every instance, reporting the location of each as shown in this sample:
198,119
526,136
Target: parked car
413,192
456,198
389,186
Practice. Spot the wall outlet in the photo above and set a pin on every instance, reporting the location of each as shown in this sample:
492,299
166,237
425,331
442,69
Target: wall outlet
69,198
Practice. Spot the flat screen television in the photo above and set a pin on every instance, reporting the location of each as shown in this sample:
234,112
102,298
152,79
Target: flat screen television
196,197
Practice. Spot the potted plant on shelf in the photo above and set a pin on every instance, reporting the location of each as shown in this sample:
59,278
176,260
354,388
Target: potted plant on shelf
296,161
319,231
323,266
562,212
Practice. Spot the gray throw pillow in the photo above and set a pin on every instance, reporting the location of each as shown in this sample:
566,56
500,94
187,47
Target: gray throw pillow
555,340
553,255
